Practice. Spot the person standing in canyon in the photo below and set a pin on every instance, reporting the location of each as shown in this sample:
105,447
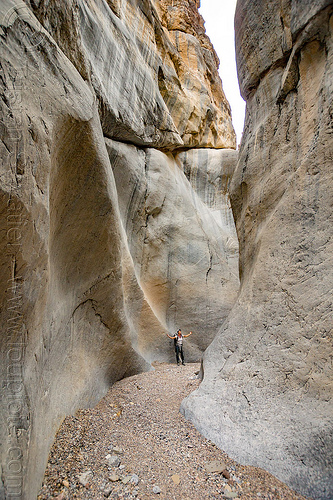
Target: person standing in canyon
178,339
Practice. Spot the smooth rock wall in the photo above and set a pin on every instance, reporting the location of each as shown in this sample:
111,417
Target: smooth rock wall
266,396
65,337
185,254
98,262
156,85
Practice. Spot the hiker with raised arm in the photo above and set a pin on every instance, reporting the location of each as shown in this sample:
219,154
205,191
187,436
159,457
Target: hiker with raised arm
178,340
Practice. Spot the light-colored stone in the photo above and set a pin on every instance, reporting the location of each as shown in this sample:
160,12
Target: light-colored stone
85,477
156,87
113,460
114,478
215,466
74,312
176,478
230,494
134,479
184,248
266,396
61,335
126,479
116,449
106,489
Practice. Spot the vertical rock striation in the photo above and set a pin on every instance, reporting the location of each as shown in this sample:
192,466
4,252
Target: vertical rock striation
266,397
113,231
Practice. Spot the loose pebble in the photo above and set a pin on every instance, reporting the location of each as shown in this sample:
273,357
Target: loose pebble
116,449
151,452
230,494
114,478
107,490
134,479
215,466
226,474
113,460
85,477
175,478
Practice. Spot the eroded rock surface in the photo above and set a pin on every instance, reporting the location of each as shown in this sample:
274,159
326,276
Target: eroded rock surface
184,250
266,396
108,241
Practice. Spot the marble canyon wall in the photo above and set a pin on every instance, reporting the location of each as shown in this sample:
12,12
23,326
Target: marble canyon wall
117,150
266,395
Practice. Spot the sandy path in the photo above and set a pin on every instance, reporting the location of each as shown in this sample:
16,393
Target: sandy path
155,452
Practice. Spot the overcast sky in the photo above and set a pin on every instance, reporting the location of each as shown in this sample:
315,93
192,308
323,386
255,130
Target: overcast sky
219,23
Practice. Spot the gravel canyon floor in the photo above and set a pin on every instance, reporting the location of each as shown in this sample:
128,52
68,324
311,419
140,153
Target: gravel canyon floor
136,444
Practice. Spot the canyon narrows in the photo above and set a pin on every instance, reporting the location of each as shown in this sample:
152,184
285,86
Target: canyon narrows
119,170
266,397
117,152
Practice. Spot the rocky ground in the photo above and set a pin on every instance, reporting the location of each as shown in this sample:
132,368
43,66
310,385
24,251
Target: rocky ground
136,445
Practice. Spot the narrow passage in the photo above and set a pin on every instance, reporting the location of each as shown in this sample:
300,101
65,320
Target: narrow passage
136,445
